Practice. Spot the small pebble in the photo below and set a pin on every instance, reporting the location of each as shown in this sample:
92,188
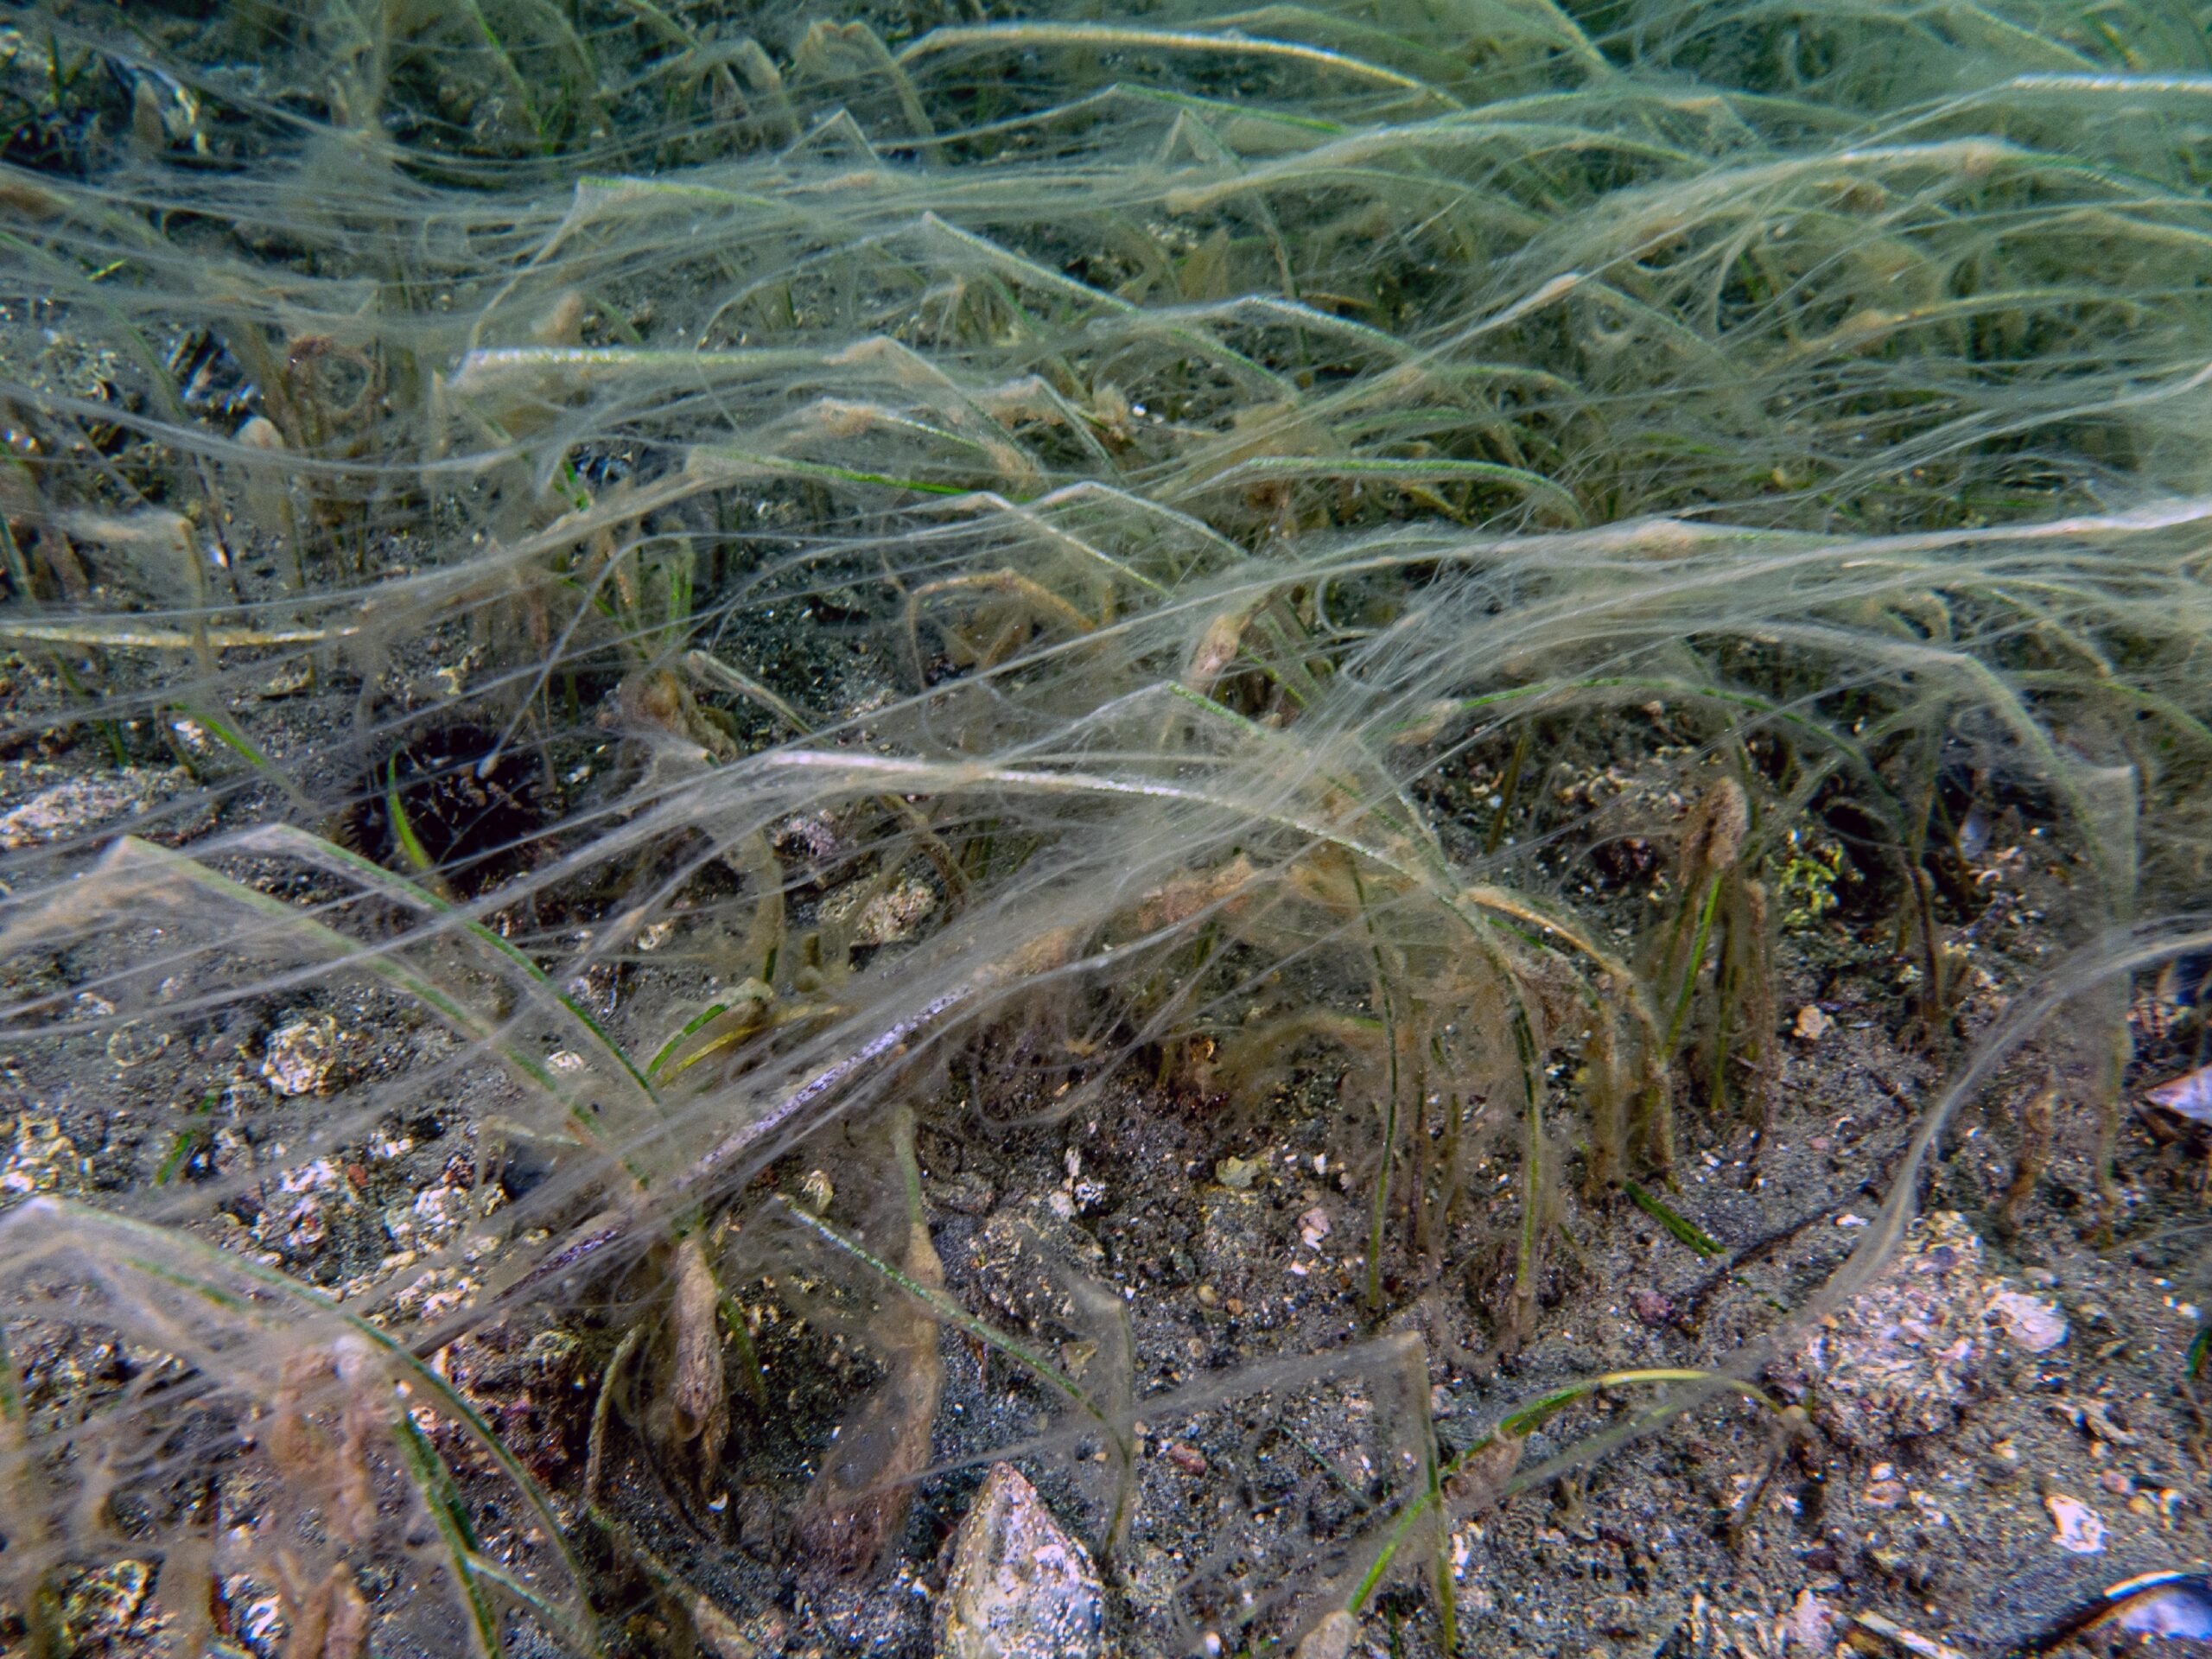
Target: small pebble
1651,1307
1238,1174
1188,1458
1331,1639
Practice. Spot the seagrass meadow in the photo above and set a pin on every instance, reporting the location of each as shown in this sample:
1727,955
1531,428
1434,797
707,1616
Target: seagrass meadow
1419,789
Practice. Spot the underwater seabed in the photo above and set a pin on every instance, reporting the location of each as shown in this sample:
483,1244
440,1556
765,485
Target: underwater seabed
1350,828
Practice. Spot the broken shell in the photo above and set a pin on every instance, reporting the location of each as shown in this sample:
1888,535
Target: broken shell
299,1054
1911,1641
2035,1326
261,433
2172,1602
2080,1529
1238,1174
2188,1095
2160,1603
287,681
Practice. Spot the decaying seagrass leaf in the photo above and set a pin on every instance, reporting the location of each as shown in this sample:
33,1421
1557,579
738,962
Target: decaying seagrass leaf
1713,837
856,1508
1479,1481
326,1412
694,1421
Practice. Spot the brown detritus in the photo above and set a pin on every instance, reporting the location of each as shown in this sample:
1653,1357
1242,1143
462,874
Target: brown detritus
323,1416
693,1417
329,1620
717,1632
855,1508
1609,1093
1712,835
602,1410
1478,1485
2032,1156
1218,647
658,701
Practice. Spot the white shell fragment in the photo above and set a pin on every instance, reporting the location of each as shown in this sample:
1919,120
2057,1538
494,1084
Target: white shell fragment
2188,1095
2180,1607
2080,1529
300,1053
2032,1325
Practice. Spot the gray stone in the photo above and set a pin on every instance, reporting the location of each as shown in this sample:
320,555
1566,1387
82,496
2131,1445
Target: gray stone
1331,1639
1020,1587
